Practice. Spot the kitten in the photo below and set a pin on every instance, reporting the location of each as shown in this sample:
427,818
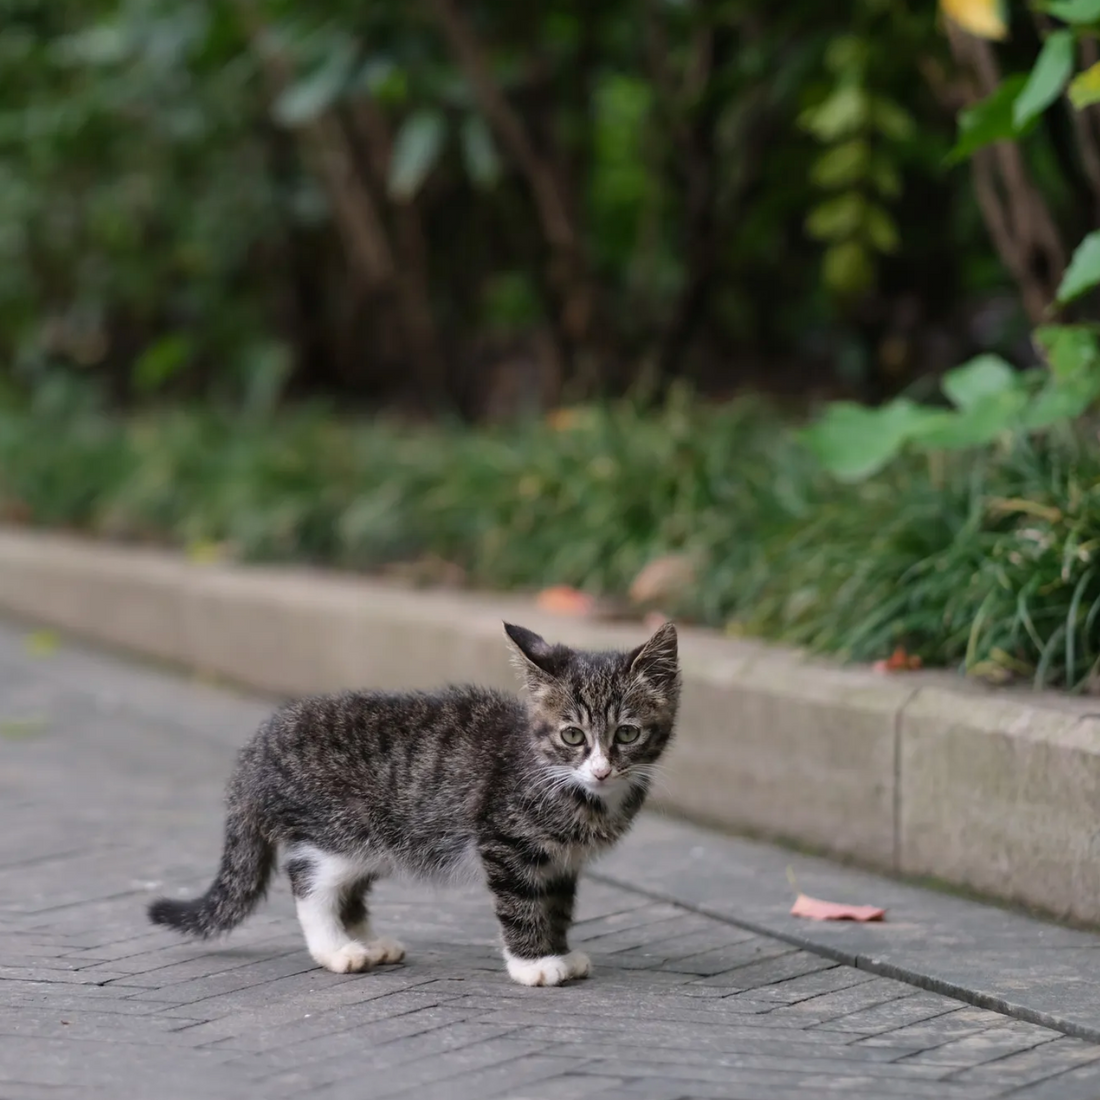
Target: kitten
354,787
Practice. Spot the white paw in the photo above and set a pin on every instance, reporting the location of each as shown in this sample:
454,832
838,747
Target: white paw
349,959
385,950
354,957
549,970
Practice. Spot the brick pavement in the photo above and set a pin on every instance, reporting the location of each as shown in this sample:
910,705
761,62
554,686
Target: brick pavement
110,786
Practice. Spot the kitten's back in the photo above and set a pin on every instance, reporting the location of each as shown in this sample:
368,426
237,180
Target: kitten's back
407,772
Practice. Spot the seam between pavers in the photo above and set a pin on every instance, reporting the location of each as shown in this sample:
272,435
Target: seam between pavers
959,1070
878,967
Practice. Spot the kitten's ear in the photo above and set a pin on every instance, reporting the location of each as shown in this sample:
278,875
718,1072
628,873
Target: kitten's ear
657,661
537,660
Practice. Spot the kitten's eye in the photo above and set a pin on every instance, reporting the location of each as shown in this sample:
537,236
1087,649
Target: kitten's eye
572,736
625,735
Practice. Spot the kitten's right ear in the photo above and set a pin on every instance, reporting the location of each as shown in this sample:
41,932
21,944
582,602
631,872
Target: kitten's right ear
537,660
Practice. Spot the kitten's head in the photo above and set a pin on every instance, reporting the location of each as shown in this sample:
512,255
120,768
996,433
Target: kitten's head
601,719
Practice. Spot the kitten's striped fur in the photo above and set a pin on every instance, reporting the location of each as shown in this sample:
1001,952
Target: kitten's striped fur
357,786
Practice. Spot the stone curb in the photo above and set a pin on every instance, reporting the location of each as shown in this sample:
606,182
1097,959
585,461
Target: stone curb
919,774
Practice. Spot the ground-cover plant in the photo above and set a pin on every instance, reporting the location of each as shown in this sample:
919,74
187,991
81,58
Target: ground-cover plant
984,560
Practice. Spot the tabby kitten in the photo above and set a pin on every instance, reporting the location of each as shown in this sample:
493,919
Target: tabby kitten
357,786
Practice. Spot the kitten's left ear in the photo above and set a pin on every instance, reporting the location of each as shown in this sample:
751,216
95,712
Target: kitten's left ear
538,661
657,661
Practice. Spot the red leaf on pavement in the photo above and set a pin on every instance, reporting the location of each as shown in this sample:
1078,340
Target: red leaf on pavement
815,909
563,600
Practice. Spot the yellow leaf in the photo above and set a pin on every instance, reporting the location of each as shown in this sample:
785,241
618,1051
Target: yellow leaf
205,552
41,643
983,18
18,729
1084,88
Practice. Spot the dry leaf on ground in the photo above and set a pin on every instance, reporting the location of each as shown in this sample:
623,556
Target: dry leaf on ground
19,729
898,661
41,643
816,909
663,579
563,600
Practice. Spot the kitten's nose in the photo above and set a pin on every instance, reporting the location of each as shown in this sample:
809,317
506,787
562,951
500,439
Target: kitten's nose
601,771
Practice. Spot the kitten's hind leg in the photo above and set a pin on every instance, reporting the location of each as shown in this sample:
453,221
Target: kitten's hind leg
322,884
355,917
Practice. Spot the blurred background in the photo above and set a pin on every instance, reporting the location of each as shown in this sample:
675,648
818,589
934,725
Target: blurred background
772,316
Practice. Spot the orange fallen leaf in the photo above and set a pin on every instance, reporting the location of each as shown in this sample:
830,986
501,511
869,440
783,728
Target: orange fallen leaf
815,909
563,600
898,661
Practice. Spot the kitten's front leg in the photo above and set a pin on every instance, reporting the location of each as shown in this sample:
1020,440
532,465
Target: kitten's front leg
534,914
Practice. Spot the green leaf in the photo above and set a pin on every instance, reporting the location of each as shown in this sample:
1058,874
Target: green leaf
880,229
416,149
161,361
1049,76
102,44
836,217
842,165
989,120
1083,272
853,442
847,268
480,152
1070,350
1084,88
310,97
978,379
1062,400
1077,12
885,177
843,113
382,79
976,424
892,120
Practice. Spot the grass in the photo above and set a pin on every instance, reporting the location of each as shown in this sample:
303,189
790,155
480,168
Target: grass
985,561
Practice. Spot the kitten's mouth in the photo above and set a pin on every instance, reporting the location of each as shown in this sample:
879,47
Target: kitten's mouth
602,786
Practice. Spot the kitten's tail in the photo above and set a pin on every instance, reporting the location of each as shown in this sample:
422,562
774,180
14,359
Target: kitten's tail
248,859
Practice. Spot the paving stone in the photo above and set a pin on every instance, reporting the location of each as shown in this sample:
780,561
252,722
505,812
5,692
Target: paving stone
893,1015
987,1045
1032,1066
1082,1083
97,1005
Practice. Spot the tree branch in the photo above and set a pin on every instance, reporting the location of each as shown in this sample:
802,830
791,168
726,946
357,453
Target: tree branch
555,219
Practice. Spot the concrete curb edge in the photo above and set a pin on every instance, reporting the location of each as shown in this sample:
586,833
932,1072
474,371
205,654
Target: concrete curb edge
919,774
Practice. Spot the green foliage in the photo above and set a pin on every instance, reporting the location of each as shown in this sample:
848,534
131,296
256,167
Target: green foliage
1083,272
416,150
990,398
1047,80
988,563
863,130
992,119
183,184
